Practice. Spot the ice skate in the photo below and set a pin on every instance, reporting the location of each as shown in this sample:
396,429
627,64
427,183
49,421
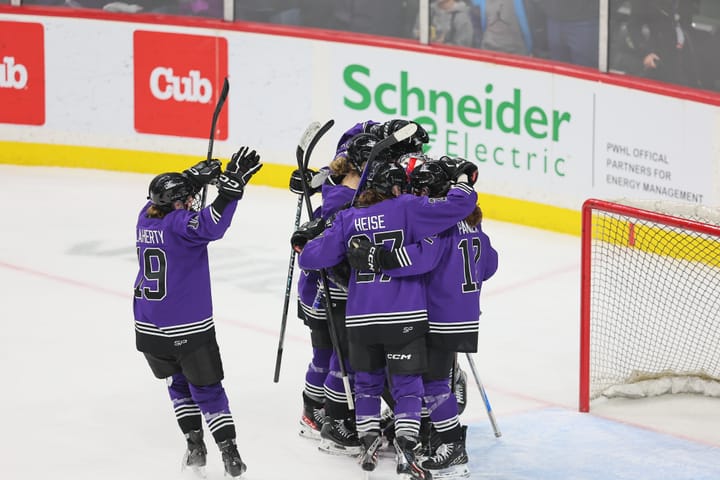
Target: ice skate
387,430
407,465
338,438
195,457
312,418
450,460
369,458
430,441
234,465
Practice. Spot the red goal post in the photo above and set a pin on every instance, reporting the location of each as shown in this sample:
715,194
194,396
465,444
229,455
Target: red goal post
650,300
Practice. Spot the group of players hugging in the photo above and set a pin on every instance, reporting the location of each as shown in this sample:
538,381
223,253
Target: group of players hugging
398,247
392,267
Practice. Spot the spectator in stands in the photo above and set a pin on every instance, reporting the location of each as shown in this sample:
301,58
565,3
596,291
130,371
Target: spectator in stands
657,42
375,17
286,12
450,23
503,26
203,8
572,30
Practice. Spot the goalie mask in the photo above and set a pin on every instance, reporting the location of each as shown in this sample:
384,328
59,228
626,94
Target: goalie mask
383,176
429,179
167,188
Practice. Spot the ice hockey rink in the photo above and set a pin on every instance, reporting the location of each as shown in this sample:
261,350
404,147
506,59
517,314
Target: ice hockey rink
79,402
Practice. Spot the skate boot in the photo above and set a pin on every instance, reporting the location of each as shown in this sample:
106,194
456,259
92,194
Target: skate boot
387,430
339,437
407,465
460,389
450,460
387,424
431,440
312,418
369,458
195,456
234,465
424,450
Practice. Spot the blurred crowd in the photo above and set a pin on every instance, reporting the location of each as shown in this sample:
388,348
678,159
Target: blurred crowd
668,40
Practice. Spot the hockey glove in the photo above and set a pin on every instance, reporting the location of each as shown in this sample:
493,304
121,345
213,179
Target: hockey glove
296,181
305,233
459,170
366,257
203,173
242,166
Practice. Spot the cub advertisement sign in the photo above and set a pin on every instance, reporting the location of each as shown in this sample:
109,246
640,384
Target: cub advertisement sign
22,73
178,79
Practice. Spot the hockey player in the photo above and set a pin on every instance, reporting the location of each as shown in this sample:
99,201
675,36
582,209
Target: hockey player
338,433
458,260
173,304
386,317
325,411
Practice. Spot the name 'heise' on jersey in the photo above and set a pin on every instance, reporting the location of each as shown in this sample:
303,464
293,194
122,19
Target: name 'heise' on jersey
371,222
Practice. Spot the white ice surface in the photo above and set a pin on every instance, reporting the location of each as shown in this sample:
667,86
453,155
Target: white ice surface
79,402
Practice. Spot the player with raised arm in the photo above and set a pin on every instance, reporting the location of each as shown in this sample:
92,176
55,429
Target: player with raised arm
172,304
458,260
342,176
386,317
325,411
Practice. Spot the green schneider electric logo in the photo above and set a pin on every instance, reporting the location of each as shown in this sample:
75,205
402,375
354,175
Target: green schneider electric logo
465,117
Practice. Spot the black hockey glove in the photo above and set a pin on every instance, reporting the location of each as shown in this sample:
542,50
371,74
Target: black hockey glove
243,165
459,170
203,173
305,233
366,257
296,181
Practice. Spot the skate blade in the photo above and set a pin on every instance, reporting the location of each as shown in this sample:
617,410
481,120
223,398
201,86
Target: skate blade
308,432
197,471
456,471
410,476
328,446
243,469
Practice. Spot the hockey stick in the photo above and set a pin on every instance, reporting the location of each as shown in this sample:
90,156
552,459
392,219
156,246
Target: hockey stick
307,143
402,134
216,114
328,310
490,413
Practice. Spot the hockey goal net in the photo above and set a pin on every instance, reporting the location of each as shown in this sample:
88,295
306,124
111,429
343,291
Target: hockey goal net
650,305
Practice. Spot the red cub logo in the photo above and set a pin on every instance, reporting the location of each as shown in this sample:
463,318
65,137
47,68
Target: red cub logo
22,73
178,79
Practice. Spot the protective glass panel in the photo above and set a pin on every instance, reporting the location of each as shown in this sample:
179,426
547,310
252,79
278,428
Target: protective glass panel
391,18
674,41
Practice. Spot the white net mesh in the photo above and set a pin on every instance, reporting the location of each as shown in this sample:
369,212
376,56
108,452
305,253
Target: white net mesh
654,301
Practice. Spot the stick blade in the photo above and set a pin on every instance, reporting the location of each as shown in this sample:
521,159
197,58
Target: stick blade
225,88
405,132
308,135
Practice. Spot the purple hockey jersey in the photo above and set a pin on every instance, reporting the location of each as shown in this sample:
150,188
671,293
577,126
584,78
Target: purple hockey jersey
172,302
381,309
458,261
335,197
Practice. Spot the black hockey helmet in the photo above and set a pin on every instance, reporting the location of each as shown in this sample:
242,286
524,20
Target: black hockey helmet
412,145
384,175
429,179
166,188
359,147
